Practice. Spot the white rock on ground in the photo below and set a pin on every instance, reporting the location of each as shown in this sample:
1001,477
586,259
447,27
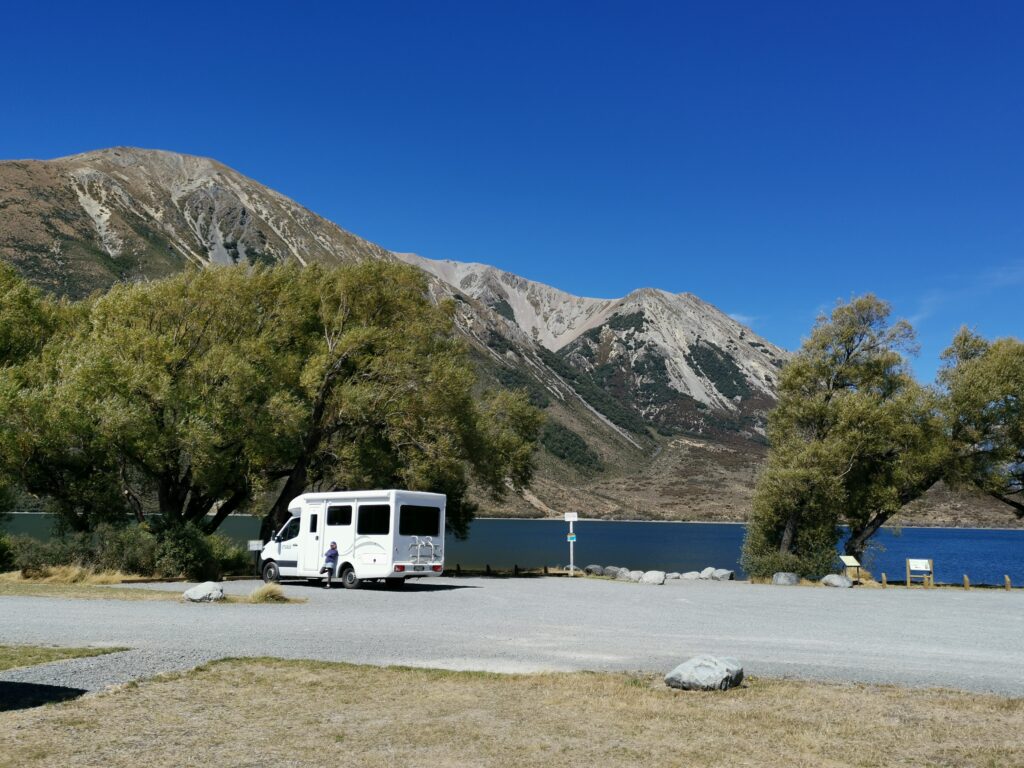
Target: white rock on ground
207,592
672,575
653,577
594,570
636,575
705,673
623,574
707,573
611,570
723,574
690,575
785,579
836,580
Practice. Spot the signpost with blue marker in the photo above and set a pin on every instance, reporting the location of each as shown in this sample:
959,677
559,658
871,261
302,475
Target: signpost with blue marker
570,518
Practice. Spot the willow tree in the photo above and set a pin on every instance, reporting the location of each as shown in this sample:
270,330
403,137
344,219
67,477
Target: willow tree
984,405
853,439
201,393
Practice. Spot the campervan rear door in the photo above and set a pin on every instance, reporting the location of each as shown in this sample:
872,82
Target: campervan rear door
419,534
373,535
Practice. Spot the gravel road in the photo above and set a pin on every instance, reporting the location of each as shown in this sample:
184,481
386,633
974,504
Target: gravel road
968,640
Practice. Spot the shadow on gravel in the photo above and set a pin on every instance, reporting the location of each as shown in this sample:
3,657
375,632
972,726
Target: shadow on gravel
24,695
376,587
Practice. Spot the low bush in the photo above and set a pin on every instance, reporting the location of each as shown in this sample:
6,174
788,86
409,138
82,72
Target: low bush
6,554
185,551
232,559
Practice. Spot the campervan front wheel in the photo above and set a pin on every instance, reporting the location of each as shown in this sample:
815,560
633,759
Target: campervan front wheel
271,572
349,580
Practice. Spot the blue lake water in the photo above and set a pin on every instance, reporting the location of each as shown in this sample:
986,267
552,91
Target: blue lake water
984,555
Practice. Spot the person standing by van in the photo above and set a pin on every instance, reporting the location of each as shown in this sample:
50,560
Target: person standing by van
330,563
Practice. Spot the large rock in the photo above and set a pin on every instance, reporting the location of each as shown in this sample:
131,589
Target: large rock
672,575
207,592
723,574
785,579
705,673
611,570
835,580
690,575
636,575
623,574
707,573
653,577
594,570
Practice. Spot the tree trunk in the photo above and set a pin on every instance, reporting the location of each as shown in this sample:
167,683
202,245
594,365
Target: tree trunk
294,485
1018,506
859,536
229,506
788,534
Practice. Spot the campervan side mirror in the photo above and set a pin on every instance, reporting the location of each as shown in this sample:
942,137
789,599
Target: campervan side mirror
277,539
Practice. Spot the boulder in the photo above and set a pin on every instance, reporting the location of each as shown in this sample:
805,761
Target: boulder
672,575
835,580
207,592
653,577
705,673
623,574
636,575
690,575
707,573
594,570
785,579
611,570
723,574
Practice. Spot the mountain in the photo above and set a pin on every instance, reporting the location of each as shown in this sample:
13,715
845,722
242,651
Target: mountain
656,402
81,223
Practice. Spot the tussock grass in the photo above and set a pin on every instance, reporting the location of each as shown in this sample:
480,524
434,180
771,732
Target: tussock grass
12,656
67,574
345,715
268,593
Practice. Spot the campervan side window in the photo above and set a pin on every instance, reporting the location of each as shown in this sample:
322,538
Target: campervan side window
339,515
374,520
312,523
291,530
419,521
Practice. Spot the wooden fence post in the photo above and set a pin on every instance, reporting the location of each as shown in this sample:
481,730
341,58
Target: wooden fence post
1006,579
967,582
885,582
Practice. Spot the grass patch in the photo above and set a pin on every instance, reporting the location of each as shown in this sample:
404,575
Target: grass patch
361,716
67,574
12,656
269,593
15,585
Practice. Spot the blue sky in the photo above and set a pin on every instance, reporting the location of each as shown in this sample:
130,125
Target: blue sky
769,157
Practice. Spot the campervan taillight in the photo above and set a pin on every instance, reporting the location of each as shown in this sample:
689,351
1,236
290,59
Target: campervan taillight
437,569
399,568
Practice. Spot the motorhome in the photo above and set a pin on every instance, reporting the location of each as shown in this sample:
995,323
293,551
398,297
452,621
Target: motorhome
388,535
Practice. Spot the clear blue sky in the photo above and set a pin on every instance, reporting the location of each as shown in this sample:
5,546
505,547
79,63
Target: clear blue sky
769,157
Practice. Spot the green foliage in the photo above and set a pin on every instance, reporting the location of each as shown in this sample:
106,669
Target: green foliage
708,359
185,550
200,391
32,556
569,446
984,408
632,321
232,559
602,401
6,553
512,378
853,439
504,309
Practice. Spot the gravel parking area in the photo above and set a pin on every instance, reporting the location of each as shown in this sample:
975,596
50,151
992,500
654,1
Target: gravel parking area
948,638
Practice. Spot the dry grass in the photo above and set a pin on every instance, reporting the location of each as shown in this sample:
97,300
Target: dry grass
296,713
68,574
269,593
19,587
12,656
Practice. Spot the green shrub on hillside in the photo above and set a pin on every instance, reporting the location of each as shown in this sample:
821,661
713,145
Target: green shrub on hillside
568,446
602,401
6,554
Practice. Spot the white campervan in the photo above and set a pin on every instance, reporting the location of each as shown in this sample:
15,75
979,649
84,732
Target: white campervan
389,535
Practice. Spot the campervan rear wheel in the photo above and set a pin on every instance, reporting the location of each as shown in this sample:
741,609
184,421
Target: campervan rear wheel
271,572
349,580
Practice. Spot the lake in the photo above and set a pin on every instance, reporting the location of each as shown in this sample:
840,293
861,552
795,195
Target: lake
984,555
